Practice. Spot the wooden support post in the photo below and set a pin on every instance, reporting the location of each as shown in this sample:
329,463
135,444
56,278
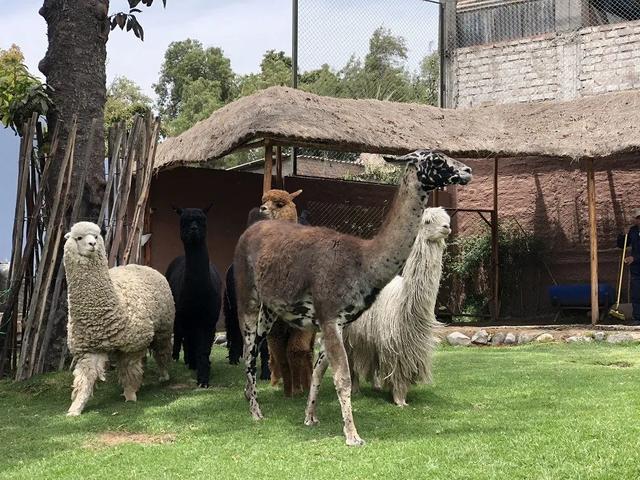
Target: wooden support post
268,166
495,265
279,179
593,244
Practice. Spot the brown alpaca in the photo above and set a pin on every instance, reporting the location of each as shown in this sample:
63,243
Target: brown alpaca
318,278
290,348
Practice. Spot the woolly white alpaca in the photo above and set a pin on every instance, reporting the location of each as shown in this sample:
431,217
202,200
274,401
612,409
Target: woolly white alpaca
120,312
392,342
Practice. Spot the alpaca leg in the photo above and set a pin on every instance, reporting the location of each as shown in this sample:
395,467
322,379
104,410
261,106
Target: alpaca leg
202,354
178,338
161,347
88,369
250,356
377,383
130,374
341,378
265,373
300,358
311,418
274,347
355,383
399,392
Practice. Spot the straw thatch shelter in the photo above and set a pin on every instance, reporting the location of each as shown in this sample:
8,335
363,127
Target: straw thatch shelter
590,130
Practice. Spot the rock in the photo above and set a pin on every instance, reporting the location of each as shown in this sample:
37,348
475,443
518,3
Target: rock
599,336
497,339
525,338
481,337
220,339
510,339
620,338
457,338
545,337
578,339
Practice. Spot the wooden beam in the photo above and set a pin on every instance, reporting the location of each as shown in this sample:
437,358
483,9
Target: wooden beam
268,167
593,243
495,264
279,179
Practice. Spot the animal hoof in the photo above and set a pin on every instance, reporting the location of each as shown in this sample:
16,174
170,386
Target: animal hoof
73,413
130,397
203,385
311,420
163,378
258,416
355,441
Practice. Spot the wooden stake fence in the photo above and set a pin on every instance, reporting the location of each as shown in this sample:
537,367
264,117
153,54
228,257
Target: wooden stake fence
37,281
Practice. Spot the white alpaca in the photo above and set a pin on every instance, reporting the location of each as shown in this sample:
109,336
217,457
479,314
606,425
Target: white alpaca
121,312
392,342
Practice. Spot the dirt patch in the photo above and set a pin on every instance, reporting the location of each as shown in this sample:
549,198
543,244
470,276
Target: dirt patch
112,439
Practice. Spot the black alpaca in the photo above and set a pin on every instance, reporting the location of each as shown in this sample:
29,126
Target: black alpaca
196,288
235,343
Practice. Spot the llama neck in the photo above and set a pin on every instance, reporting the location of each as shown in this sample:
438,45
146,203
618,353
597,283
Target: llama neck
421,277
385,254
88,277
196,263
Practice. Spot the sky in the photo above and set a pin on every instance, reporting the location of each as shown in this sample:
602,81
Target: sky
330,31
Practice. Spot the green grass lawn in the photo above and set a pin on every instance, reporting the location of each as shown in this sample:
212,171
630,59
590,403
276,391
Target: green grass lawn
532,412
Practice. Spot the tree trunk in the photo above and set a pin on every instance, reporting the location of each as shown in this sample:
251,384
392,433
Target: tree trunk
75,67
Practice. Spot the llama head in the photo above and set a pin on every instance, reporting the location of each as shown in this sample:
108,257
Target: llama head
193,224
278,205
433,169
435,224
85,239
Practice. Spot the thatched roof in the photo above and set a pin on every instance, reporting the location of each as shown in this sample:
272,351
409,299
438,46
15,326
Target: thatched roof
598,126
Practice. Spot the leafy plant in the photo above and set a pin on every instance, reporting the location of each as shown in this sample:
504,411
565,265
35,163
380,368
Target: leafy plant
21,94
129,20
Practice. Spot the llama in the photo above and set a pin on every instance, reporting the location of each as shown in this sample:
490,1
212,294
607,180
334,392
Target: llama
121,312
290,348
315,277
196,287
232,325
392,342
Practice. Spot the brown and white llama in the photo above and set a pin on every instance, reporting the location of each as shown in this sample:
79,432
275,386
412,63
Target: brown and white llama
318,278
290,348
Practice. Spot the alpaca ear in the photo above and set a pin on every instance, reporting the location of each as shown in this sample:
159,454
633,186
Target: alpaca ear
294,194
206,210
67,236
178,210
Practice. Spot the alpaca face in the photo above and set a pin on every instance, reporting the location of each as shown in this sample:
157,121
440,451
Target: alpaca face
85,239
434,169
193,225
278,205
436,223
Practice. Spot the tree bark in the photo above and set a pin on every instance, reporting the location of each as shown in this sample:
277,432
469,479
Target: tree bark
75,68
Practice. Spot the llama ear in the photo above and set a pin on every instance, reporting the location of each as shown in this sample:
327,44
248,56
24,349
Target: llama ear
397,159
178,210
294,194
206,210
67,236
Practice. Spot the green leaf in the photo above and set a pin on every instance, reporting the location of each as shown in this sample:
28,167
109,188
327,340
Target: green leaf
121,19
135,10
133,3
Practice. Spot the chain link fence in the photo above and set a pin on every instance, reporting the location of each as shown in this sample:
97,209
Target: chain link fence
481,23
356,49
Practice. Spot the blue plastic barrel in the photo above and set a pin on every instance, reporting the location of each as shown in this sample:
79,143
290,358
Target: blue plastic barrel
579,295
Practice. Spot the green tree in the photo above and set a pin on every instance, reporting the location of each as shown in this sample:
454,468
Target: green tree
187,61
322,81
275,69
427,84
21,94
200,98
125,100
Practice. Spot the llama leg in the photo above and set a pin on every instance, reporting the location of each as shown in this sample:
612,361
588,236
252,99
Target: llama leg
161,347
88,369
399,392
320,367
341,378
130,374
300,358
202,354
377,383
355,383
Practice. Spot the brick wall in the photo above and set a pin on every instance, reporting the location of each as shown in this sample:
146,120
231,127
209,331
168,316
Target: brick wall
548,198
552,66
